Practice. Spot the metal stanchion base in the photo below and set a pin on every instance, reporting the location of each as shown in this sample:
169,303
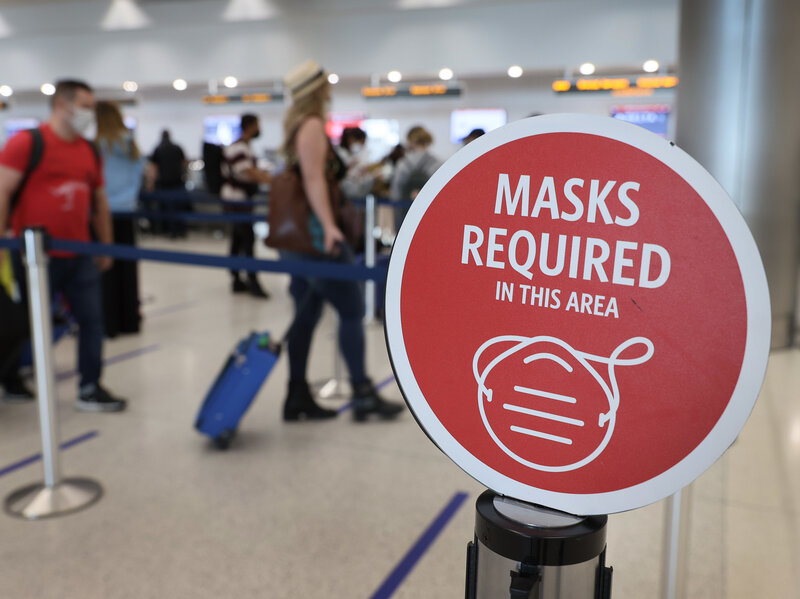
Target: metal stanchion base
334,388
38,501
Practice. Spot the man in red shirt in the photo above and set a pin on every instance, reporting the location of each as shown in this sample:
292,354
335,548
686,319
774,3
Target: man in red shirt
65,195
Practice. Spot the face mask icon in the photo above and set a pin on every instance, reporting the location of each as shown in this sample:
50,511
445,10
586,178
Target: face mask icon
545,404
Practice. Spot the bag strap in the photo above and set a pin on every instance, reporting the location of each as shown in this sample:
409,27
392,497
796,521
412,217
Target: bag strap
35,157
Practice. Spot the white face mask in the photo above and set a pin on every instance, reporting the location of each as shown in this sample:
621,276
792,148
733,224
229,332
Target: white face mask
82,120
356,148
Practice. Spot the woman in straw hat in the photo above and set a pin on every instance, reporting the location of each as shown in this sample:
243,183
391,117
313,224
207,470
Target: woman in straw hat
308,149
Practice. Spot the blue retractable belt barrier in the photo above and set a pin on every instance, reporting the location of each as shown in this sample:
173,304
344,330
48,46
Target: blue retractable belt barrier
312,269
194,197
226,217
385,202
10,244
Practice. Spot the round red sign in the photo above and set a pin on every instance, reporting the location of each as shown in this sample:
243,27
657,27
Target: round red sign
577,314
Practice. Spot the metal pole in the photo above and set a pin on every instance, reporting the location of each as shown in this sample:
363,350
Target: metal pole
337,386
523,551
55,497
737,116
41,334
369,257
674,573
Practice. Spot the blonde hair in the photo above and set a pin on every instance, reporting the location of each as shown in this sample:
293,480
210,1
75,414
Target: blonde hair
111,128
419,136
309,105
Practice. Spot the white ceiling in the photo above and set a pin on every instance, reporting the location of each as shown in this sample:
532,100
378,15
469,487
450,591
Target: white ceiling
45,39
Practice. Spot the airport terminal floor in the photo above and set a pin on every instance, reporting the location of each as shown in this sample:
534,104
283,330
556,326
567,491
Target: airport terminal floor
329,509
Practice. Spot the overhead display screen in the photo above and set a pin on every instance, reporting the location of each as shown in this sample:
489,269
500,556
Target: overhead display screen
462,121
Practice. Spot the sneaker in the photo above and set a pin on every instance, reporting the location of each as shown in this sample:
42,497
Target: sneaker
99,400
16,391
239,286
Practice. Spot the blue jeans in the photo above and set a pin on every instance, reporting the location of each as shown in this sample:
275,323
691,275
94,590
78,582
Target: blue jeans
309,295
79,280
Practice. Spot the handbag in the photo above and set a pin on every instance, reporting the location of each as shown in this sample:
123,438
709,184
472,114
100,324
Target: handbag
289,212
351,219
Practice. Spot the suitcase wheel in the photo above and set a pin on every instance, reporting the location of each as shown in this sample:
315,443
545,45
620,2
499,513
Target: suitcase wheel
223,440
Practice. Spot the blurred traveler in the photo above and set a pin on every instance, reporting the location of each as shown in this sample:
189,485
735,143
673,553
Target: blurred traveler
388,166
472,136
123,168
170,161
413,170
169,165
65,194
240,183
360,176
309,150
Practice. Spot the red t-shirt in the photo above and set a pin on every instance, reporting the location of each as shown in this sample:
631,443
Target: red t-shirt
58,193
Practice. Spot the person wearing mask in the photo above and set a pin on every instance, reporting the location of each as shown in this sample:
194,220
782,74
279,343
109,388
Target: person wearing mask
413,170
122,170
308,149
241,178
169,166
360,176
65,194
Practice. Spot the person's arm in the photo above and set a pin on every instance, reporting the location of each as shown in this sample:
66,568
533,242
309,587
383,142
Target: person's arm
150,175
9,181
399,178
312,148
256,175
101,224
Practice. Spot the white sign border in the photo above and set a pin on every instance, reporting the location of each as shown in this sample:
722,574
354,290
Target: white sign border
756,352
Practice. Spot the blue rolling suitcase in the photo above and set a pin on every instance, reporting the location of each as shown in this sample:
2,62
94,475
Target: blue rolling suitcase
236,386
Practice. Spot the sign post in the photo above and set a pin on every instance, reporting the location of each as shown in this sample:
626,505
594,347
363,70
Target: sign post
577,314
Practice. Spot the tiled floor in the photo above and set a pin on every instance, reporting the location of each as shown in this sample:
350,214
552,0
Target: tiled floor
330,509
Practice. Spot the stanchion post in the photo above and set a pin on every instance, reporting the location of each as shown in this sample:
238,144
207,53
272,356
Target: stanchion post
677,524
521,551
36,266
337,386
369,256
55,496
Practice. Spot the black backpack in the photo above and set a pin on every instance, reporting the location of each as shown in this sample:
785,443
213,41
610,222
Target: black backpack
212,169
37,148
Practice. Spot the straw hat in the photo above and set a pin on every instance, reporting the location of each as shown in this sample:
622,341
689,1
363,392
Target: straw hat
305,78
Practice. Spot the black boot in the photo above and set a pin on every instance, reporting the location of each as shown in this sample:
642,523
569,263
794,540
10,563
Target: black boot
255,288
366,402
301,405
239,286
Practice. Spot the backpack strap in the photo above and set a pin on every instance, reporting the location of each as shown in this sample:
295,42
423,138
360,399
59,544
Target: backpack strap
37,149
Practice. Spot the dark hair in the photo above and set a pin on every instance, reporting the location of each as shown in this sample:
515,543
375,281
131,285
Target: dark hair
396,154
67,88
247,120
351,134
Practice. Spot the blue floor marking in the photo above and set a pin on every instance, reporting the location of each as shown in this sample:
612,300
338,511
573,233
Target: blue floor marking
378,387
398,575
35,458
63,376
385,382
154,313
